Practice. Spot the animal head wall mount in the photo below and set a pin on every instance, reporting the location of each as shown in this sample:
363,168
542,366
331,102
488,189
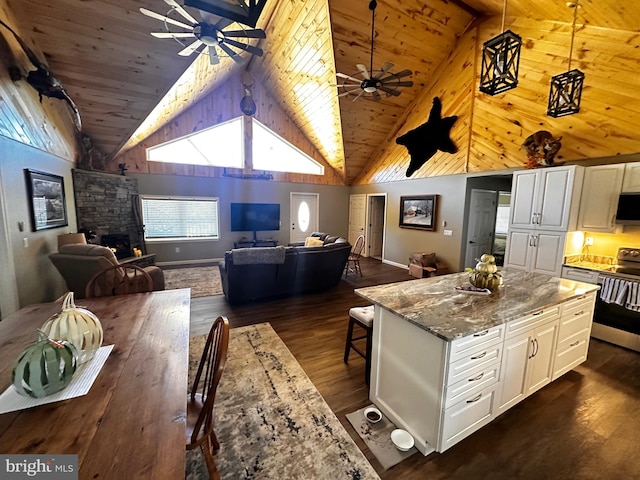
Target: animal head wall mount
41,79
423,142
541,148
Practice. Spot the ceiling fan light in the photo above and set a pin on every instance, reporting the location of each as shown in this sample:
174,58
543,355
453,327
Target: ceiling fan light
370,89
500,63
565,93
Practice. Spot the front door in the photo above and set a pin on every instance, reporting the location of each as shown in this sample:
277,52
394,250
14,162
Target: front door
481,224
303,216
357,216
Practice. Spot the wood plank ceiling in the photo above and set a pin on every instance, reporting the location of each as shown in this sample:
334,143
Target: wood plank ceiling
117,73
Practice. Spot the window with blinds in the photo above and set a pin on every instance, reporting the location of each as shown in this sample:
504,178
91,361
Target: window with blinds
180,218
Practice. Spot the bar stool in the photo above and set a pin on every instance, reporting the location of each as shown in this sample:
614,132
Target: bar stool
363,317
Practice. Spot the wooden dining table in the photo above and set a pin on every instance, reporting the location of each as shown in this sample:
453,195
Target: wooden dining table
131,424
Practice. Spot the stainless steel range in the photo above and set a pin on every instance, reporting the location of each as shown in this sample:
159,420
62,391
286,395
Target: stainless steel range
617,319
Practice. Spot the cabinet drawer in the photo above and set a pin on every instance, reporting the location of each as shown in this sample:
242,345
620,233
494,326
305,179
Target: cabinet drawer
584,302
580,275
570,353
574,322
467,416
474,362
472,384
463,347
521,325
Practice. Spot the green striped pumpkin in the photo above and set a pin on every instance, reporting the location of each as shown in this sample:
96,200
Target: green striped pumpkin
44,367
78,326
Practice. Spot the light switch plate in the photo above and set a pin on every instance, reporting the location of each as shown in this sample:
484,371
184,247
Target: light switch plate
448,233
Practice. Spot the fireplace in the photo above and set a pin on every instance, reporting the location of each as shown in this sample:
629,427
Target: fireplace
119,243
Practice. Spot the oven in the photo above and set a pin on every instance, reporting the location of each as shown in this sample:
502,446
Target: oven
618,320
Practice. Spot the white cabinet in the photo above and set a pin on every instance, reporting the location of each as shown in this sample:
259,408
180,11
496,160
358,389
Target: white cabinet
535,251
580,274
528,357
631,183
599,201
545,199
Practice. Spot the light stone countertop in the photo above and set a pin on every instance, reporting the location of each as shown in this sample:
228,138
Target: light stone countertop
434,305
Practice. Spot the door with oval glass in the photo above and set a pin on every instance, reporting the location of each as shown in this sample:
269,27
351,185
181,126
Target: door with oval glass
303,216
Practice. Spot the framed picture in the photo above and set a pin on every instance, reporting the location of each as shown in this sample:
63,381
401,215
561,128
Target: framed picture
46,200
418,212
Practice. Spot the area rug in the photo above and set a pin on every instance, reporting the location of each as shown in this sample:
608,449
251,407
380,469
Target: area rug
377,436
203,281
271,421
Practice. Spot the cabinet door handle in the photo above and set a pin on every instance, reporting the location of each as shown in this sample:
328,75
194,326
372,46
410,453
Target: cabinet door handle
483,354
481,334
613,220
476,378
575,343
475,399
533,218
579,313
538,313
535,344
535,240
531,240
539,218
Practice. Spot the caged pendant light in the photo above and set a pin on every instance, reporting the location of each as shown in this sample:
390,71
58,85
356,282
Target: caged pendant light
566,88
500,61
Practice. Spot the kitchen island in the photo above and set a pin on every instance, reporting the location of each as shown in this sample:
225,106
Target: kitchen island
447,362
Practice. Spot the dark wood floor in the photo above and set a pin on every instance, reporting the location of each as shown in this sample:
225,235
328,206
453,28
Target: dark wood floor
585,425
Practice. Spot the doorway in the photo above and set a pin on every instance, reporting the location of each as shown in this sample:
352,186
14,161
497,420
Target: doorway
303,216
375,226
357,218
481,225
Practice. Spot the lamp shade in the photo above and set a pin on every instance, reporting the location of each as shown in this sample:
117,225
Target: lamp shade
70,238
565,93
500,63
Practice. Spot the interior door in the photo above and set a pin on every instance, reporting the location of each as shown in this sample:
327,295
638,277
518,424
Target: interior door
8,290
376,225
482,220
357,216
303,215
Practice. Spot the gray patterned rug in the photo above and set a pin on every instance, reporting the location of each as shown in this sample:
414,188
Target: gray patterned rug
271,421
203,281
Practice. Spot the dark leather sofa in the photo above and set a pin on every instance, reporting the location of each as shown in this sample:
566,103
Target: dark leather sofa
302,270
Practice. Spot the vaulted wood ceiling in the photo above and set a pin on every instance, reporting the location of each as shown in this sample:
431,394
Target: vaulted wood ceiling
118,74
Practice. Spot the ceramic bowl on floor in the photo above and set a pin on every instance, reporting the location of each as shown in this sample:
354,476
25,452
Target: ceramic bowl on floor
402,439
372,414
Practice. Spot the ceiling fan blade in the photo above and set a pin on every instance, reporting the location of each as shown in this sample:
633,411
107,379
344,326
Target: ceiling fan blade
376,96
249,48
185,52
390,91
180,10
222,23
162,18
386,66
359,95
343,94
172,35
345,85
213,55
353,79
234,56
364,71
251,33
406,83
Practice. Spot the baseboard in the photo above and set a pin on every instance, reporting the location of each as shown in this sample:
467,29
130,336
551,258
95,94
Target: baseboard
395,264
186,263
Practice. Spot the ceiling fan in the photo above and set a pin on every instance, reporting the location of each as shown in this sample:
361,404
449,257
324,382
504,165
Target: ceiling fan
210,32
373,81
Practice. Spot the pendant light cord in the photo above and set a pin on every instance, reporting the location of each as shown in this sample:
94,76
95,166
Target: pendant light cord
504,12
372,5
573,32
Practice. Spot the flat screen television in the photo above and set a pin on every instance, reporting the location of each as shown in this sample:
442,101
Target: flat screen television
255,217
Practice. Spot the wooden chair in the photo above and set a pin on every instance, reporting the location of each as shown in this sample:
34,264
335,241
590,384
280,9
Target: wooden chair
354,257
363,317
119,280
203,393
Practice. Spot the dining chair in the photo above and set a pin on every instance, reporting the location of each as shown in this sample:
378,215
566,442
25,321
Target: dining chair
203,393
354,257
119,280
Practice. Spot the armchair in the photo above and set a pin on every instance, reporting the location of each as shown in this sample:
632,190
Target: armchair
78,263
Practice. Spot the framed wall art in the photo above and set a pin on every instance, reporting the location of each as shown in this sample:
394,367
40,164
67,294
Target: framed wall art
47,201
418,212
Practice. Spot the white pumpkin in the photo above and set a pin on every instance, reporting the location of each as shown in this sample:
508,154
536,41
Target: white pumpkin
488,258
485,267
78,326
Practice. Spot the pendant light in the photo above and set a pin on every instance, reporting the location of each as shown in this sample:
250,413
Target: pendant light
566,89
500,61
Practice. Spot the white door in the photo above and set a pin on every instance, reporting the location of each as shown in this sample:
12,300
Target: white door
481,224
357,216
303,215
376,225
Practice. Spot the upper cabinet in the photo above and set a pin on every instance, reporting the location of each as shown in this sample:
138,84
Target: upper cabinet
546,199
631,183
600,191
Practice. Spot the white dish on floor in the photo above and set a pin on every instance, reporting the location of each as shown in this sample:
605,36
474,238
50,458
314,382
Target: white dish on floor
372,414
402,439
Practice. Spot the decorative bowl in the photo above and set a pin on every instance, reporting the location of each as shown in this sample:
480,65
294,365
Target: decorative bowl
402,439
372,414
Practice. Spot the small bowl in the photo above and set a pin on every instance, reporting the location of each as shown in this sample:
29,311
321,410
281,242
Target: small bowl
372,414
402,439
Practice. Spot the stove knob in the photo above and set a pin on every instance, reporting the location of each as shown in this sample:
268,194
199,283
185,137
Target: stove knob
624,253
635,253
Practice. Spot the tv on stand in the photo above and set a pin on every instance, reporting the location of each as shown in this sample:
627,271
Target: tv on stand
255,217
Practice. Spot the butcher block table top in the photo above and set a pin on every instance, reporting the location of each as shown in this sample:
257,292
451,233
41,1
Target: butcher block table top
131,424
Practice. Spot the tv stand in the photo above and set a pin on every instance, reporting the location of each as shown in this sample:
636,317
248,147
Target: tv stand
255,243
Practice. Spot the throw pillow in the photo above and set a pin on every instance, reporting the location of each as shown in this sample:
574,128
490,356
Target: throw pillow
313,242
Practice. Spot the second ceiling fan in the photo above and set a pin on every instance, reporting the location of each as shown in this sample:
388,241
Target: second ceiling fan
372,82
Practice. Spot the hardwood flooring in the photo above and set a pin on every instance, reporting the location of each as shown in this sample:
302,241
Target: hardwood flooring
585,425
